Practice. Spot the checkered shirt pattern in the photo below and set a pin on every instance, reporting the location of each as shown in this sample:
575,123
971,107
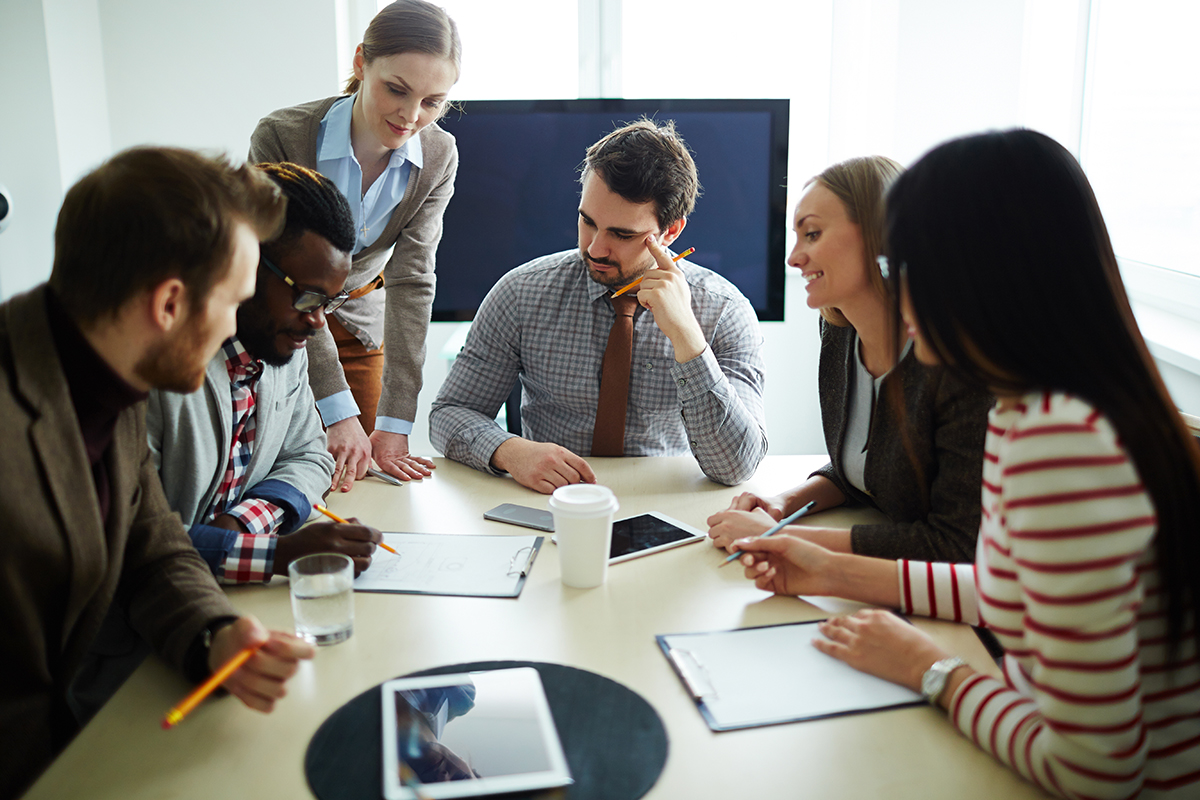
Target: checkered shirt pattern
548,322
252,556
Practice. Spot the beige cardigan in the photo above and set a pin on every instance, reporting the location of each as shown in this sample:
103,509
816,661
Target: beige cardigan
397,318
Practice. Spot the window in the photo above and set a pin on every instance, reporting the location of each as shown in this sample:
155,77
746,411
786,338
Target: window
1142,115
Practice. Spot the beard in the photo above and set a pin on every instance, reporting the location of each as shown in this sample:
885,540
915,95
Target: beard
178,363
259,334
615,279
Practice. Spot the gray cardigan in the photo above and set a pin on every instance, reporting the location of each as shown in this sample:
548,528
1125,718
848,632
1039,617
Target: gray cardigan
397,318
930,485
190,437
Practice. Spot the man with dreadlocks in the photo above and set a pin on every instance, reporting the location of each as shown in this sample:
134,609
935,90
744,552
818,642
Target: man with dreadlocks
244,459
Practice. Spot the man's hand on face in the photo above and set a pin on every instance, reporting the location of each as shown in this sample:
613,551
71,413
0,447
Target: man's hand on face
665,292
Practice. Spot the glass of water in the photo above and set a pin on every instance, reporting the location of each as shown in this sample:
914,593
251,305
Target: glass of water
322,587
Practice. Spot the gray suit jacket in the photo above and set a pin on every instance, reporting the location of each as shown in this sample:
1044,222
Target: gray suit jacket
190,437
924,465
62,566
399,317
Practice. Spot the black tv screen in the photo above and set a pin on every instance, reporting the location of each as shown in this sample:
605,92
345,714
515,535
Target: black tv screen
517,192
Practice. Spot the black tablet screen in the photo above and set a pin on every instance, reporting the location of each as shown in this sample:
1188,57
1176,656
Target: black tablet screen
641,533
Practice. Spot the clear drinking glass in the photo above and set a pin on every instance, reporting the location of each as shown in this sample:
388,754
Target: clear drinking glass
322,588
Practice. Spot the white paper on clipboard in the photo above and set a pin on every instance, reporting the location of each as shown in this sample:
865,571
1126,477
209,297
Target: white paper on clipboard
451,564
764,676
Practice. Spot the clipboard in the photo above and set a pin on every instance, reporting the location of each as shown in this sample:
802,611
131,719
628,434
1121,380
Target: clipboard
451,564
772,675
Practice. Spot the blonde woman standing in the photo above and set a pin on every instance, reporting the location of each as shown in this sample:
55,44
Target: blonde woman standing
379,142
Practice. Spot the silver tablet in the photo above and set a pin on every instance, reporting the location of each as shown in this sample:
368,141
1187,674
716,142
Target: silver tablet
644,534
634,537
469,734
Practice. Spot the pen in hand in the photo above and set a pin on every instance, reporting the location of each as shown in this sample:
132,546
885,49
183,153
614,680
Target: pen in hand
336,518
783,523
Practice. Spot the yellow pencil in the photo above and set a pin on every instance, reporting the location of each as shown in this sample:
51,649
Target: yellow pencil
336,518
625,289
176,714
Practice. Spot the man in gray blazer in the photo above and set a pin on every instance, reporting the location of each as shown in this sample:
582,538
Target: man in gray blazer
244,458
153,252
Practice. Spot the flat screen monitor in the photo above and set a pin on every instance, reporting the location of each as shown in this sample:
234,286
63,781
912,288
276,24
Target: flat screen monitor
516,196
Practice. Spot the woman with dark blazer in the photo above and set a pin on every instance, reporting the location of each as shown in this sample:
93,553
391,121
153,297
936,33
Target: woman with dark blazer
903,437
380,144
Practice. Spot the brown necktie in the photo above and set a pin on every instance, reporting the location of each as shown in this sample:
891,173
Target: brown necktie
608,437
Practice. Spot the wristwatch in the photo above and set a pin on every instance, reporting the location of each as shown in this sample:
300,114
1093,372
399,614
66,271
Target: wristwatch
933,682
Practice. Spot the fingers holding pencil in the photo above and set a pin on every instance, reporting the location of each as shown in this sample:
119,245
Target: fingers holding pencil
662,265
251,663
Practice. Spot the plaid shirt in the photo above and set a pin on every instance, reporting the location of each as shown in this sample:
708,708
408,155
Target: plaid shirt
548,322
252,557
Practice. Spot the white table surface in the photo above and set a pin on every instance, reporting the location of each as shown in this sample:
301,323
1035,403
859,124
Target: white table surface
224,750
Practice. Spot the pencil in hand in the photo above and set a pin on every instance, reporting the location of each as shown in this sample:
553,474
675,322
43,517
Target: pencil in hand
336,518
176,714
783,523
674,259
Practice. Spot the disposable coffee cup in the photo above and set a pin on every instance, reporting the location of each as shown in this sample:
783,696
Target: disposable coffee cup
583,515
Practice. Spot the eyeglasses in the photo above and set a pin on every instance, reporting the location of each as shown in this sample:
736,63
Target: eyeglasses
307,301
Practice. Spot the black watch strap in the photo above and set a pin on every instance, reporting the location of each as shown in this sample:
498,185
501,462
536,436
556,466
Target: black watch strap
195,663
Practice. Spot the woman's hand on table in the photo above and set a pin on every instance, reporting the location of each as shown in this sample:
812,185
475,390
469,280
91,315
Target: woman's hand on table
882,644
351,451
726,527
775,505
390,451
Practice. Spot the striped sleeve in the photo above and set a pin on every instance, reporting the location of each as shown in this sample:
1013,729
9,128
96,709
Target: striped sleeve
1077,522
945,591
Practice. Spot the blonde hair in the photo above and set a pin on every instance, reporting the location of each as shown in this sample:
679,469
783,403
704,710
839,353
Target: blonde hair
862,184
410,26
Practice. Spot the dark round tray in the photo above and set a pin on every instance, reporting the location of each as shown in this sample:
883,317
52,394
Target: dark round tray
614,740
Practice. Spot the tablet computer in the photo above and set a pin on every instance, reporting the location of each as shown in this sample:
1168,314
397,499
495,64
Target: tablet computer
469,734
647,533
644,534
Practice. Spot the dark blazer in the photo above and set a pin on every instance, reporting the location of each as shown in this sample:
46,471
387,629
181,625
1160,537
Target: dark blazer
924,465
61,565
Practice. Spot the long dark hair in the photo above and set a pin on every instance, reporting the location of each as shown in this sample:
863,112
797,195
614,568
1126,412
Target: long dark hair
1015,286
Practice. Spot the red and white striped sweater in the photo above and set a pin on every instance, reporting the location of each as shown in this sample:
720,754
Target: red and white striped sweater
1065,576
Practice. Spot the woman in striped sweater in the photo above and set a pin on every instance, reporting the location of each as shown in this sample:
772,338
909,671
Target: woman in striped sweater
1086,567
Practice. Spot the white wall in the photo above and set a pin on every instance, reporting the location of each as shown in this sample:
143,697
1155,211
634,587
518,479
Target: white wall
201,74
29,164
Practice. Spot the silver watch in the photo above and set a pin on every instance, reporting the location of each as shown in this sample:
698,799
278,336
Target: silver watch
933,682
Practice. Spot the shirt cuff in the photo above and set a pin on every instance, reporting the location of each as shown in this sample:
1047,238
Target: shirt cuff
337,407
259,516
393,425
696,377
251,559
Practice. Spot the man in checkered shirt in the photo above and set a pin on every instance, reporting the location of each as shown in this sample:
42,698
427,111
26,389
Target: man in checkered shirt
244,458
696,379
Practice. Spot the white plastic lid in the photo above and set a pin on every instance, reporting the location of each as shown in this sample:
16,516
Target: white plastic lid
583,500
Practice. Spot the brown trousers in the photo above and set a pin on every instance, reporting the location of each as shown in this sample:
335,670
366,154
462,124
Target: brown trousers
364,372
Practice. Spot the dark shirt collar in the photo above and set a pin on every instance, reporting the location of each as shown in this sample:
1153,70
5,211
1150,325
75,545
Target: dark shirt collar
98,393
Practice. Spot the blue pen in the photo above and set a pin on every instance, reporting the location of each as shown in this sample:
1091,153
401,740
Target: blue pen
771,532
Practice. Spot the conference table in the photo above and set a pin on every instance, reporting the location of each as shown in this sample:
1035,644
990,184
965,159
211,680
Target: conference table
225,750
